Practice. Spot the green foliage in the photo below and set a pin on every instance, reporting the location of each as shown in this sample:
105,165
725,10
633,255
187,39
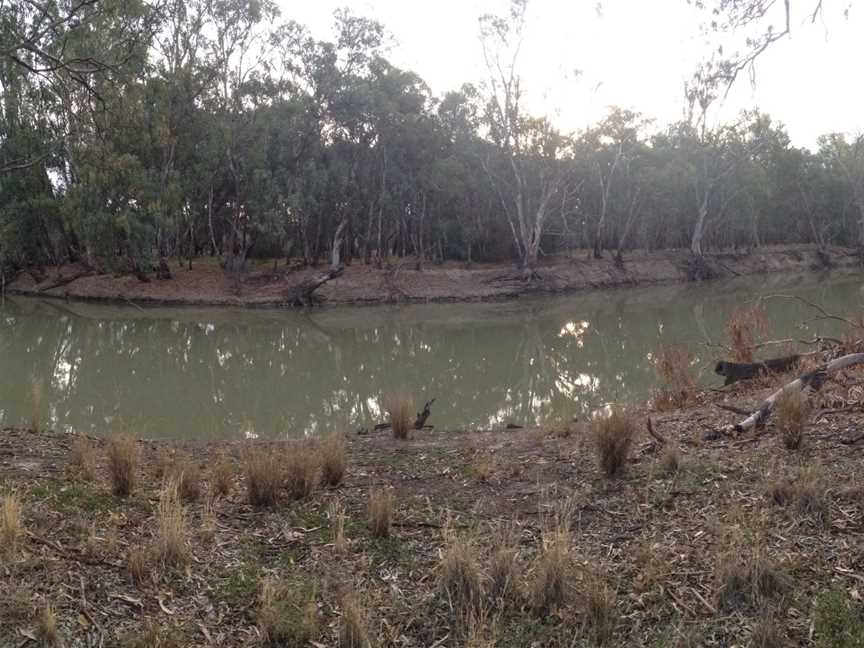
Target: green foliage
838,621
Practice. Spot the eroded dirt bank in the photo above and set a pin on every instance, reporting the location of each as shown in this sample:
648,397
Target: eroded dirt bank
736,540
360,284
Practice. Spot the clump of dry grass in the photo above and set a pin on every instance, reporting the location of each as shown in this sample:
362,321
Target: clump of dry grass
207,528
82,458
262,467
399,407
613,439
806,493
333,460
287,616
459,575
187,474
553,572
504,568
746,578
11,527
670,459
138,564
601,613
482,466
352,624
123,457
46,626
302,469
380,511
222,476
793,411
170,542
767,632
337,523
743,330
678,383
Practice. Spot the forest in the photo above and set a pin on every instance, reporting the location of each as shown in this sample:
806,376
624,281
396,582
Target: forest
132,131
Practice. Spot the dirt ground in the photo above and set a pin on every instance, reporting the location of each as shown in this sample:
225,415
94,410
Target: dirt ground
401,282
710,539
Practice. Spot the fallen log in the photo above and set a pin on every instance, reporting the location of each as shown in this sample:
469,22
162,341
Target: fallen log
302,294
60,280
812,379
420,421
735,371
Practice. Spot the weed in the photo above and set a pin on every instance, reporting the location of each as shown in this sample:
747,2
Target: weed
837,621
302,470
380,511
743,329
337,522
767,632
459,575
747,578
188,477
262,466
399,408
805,492
352,624
287,617
82,458
207,528
482,466
670,459
333,460
601,613
504,566
170,543
138,565
613,439
678,384
222,477
792,413
553,572
11,528
46,626
123,458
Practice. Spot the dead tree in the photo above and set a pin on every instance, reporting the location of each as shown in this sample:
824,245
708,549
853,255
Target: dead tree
302,293
420,421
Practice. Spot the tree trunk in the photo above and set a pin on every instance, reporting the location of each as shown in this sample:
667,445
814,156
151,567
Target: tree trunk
698,231
337,244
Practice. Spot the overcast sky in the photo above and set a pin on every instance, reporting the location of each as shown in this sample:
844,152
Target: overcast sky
631,53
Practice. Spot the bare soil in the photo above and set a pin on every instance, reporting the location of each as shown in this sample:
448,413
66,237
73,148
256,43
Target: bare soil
400,281
659,539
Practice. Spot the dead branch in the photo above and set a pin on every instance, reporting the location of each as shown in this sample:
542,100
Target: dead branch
302,294
420,421
654,433
812,379
822,312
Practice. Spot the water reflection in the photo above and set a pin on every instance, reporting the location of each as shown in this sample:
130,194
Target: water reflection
224,372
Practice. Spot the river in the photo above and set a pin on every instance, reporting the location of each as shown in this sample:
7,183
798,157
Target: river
227,373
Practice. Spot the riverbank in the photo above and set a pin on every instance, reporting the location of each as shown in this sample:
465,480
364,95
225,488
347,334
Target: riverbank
206,284
707,540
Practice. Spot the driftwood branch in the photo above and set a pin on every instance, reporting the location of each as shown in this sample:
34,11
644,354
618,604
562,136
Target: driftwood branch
659,438
302,294
812,379
60,280
420,421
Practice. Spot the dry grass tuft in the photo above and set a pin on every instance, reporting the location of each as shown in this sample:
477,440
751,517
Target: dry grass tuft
123,456
613,439
337,523
504,568
262,468
793,411
380,511
670,459
138,565
170,542
746,579
767,633
806,493
553,572
678,383
207,528
46,626
286,616
743,331
333,460
601,613
187,474
222,476
82,458
302,469
459,575
400,409
11,528
352,624
482,466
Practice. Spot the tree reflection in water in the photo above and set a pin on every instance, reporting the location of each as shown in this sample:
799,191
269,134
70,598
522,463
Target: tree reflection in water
225,373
